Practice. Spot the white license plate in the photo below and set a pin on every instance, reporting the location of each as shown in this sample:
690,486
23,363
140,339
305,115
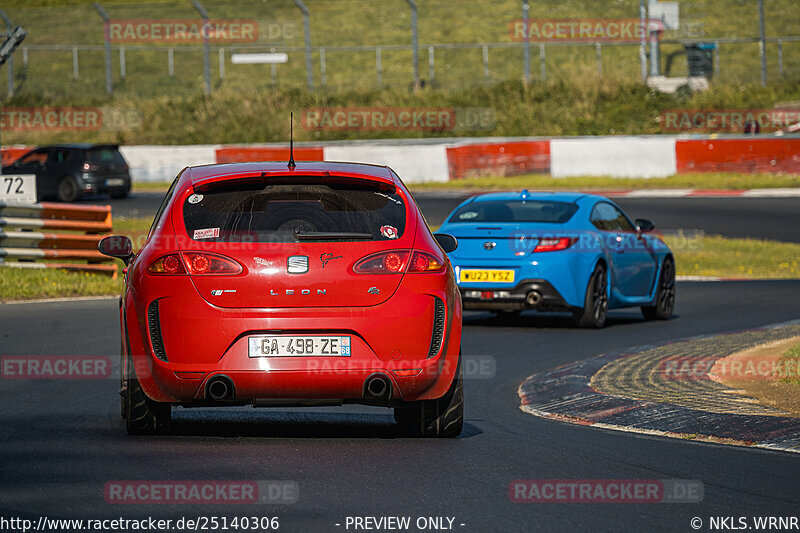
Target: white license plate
115,182
18,188
298,346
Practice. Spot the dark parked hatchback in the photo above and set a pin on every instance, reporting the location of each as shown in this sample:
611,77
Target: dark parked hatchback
70,171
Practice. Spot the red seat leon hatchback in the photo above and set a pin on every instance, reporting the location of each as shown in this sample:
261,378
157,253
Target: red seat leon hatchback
272,285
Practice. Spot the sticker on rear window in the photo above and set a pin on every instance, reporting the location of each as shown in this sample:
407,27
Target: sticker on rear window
195,198
468,215
390,232
207,233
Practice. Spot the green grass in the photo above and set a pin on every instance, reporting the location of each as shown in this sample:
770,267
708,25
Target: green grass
791,362
250,115
711,180
734,258
694,255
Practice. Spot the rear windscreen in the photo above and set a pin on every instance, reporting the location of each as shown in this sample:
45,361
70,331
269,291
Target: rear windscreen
515,211
289,212
105,155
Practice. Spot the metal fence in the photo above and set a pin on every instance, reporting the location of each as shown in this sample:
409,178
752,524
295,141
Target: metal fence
347,45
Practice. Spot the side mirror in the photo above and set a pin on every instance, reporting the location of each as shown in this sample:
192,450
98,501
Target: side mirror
447,242
643,225
117,246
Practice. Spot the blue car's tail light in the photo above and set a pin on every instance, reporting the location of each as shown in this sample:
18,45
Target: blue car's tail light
555,244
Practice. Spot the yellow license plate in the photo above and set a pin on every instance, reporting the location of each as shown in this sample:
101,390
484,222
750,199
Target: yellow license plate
491,276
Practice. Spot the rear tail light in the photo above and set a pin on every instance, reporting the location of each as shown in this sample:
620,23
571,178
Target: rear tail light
554,244
167,265
397,262
89,166
201,263
194,263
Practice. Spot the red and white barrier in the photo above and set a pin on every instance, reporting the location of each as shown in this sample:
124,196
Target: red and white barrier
432,160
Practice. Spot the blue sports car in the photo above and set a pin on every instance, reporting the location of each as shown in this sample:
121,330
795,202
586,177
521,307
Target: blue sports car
559,252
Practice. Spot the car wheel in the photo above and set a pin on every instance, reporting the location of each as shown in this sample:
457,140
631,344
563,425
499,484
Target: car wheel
595,310
68,189
143,416
444,417
665,297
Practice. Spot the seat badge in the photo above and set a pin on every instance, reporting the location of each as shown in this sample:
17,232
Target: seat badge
297,264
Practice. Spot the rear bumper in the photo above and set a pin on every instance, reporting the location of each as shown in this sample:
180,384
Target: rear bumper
90,183
202,341
528,294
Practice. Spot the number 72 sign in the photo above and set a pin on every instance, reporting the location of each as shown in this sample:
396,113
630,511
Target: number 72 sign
18,188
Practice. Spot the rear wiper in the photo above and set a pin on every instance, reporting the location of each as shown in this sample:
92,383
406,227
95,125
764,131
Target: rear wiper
331,236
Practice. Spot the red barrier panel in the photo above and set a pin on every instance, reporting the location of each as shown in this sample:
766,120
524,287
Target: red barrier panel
738,155
498,159
241,154
12,153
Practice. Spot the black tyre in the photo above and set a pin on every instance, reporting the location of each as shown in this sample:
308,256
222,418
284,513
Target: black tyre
442,418
143,416
595,310
665,295
68,189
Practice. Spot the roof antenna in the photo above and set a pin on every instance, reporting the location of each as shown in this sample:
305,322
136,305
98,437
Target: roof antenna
292,164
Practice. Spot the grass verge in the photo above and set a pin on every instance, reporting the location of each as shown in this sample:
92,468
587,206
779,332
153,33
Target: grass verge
791,360
712,180
695,255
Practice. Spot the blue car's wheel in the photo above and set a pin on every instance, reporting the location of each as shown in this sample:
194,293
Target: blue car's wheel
595,310
665,297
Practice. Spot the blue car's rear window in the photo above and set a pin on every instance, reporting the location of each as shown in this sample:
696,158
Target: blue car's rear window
515,211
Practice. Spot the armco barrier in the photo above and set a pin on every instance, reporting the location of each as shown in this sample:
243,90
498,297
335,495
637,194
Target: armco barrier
738,155
239,154
23,242
498,159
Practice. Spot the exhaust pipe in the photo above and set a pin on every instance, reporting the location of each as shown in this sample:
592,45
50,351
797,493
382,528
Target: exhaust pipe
220,389
378,387
534,298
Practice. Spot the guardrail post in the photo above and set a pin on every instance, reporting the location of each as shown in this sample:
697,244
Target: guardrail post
431,65
221,63
717,68
106,44
123,71
542,64
10,61
206,52
643,41
414,42
762,43
486,61
379,66
780,56
170,62
75,71
323,67
526,45
307,31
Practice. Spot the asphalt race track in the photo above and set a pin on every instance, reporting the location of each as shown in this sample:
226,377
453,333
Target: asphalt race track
762,218
63,440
